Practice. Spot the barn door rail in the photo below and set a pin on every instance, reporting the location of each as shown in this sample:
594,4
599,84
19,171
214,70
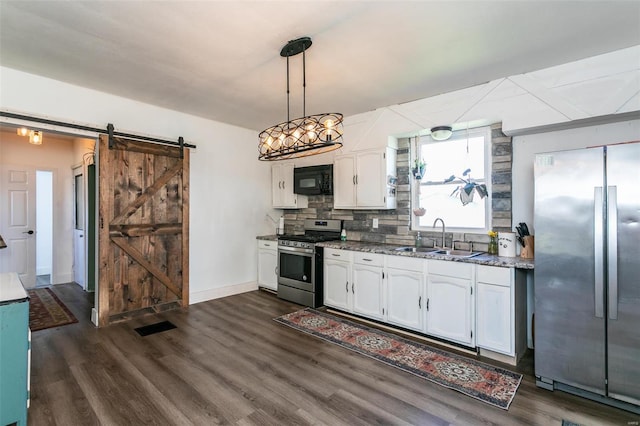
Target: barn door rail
108,131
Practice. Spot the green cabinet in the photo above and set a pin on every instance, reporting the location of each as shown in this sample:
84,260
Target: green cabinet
14,350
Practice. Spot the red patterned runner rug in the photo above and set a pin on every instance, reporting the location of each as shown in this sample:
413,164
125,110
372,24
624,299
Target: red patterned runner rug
46,310
493,385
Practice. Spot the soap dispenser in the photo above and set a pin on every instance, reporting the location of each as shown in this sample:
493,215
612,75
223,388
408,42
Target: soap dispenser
418,240
343,235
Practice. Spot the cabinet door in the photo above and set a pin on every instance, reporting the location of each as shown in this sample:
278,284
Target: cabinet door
337,284
449,308
367,291
344,188
289,199
371,179
404,298
267,263
495,324
276,185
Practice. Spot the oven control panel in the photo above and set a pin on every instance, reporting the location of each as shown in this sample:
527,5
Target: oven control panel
300,244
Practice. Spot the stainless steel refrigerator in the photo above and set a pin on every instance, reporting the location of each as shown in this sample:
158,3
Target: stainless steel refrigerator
587,273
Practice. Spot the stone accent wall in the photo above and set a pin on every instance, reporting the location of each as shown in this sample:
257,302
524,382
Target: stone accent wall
394,225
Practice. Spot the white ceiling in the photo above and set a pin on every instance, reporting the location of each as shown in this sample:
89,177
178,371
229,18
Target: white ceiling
220,59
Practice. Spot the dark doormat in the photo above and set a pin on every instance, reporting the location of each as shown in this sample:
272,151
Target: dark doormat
154,328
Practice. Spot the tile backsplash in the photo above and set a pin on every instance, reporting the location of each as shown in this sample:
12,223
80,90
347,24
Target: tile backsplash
394,226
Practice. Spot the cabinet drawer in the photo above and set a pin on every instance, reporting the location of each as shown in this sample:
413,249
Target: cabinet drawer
406,263
371,259
494,275
269,245
336,254
450,269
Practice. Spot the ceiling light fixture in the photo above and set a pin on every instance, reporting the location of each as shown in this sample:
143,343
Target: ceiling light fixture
441,133
35,137
304,136
22,131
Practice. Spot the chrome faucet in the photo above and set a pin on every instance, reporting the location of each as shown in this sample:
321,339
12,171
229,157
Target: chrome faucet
434,225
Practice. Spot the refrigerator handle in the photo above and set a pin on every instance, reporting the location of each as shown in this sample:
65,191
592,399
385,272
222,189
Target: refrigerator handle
612,250
598,245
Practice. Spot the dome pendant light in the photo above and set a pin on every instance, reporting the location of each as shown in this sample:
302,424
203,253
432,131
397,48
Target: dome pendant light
304,136
441,133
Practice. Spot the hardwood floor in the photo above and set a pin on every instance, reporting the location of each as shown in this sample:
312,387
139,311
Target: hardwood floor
229,363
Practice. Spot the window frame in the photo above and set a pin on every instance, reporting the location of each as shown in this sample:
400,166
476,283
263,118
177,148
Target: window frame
457,135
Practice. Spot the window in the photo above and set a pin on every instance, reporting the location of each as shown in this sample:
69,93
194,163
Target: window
464,150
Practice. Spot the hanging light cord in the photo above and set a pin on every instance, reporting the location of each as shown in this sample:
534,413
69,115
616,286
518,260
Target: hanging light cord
304,83
288,118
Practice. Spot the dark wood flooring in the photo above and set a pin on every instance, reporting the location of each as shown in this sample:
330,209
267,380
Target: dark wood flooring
229,363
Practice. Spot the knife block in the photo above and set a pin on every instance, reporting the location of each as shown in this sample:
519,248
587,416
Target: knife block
527,250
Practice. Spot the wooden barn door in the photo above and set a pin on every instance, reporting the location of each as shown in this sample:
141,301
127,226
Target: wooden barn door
143,228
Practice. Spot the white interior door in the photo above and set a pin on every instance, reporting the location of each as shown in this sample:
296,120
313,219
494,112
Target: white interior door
18,221
79,258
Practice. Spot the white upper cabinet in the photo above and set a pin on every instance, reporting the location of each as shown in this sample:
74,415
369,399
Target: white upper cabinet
282,188
365,180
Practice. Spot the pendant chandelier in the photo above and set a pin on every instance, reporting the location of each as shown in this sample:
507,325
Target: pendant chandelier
304,136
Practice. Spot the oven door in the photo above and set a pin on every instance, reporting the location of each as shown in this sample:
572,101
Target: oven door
296,268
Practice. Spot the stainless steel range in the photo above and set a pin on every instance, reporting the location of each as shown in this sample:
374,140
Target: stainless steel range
300,262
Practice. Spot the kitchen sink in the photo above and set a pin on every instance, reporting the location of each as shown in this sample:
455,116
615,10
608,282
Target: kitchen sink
459,253
417,249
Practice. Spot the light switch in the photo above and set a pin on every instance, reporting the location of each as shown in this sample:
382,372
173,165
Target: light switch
375,223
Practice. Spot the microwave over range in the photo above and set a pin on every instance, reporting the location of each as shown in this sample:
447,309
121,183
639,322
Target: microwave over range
313,180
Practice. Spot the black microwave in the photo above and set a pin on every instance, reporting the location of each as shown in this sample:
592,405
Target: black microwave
313,180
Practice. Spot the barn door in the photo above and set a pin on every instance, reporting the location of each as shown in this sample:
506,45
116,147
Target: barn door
143,228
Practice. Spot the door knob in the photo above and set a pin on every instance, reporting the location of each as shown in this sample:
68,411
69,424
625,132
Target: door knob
30,232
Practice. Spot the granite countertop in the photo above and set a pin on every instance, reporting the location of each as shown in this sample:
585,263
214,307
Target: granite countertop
483,259
267,237
11,288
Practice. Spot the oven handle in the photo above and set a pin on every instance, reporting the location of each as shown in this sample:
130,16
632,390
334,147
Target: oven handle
297,250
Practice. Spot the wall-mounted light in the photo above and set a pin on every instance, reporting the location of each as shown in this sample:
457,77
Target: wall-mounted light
35,137
22,131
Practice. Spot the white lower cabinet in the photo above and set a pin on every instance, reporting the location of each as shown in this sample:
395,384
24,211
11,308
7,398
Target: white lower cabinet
405,292
367,285
461,302
450,312
495,304
337,279
267,264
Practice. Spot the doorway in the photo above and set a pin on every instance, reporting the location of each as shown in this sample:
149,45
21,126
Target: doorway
44,226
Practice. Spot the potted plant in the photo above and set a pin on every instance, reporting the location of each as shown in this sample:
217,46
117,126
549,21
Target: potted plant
467,187
418,168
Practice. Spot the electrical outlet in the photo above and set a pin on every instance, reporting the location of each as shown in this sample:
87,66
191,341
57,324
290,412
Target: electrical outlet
375,223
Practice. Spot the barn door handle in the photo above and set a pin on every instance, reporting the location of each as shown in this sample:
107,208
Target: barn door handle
30,232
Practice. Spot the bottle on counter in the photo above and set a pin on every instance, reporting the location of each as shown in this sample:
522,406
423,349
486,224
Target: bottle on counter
343,235
418,240
280,229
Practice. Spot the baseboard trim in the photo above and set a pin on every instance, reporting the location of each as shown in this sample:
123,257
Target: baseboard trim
404,332
217,293
62,278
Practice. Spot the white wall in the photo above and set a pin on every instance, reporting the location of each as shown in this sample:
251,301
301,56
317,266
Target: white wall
526,147
44,222
55,155
230,189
